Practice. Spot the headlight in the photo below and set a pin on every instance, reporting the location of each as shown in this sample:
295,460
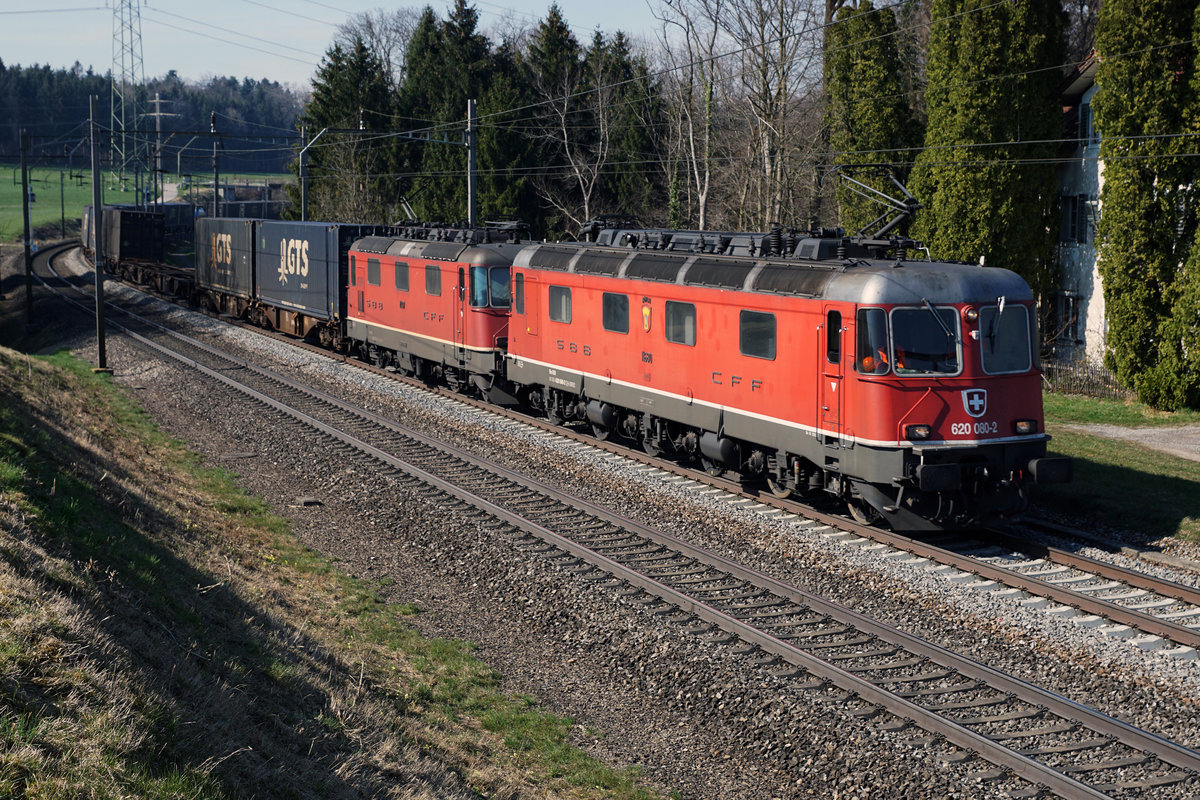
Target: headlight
1026,426
917,432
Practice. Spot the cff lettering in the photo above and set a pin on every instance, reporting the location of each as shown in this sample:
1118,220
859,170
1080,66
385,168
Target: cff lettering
719,378
293,258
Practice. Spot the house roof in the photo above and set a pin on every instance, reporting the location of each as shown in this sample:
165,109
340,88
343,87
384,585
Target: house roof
1080,79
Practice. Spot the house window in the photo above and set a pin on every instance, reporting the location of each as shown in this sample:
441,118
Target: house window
1067,319
1087,126
1076,215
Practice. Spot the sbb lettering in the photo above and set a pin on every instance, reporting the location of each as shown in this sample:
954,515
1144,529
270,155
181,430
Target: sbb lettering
572,347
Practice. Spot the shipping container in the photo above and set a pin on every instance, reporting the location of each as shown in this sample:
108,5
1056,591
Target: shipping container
131,235
225,256
301,266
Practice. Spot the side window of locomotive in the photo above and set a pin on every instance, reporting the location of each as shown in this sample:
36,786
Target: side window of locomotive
373,272
833,337
402,276
498,286
519,293
1004,338
756,334
680,323
479,287
353,277
560,304
925,340
872,356
616,312
433,280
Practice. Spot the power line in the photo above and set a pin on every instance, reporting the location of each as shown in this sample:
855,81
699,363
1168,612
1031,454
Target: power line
227,41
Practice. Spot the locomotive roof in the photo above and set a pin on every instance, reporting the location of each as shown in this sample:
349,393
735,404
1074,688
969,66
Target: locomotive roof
857,280
482,254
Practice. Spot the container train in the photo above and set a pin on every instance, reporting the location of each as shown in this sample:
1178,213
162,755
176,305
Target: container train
816,363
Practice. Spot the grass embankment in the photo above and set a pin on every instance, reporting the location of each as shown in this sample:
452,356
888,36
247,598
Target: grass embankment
1122,483
164,635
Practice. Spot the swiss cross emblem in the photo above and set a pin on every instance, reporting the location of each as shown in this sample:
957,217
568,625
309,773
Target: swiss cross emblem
975,401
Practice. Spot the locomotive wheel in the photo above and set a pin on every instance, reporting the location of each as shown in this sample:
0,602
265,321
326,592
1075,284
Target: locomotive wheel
650,446
863,512
600,432
779,490
713,469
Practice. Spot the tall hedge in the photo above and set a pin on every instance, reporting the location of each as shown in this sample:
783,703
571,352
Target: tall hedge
1147,223
986,178
867,109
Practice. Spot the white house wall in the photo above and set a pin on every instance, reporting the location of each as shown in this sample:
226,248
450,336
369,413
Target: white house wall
1081,279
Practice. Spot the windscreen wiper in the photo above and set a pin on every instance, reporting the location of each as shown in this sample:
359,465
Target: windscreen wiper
938,317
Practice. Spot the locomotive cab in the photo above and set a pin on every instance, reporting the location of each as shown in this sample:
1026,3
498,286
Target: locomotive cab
957,399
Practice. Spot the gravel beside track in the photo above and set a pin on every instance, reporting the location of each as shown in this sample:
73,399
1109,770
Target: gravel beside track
697,716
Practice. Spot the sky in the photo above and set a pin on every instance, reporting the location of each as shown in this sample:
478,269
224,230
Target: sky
279,40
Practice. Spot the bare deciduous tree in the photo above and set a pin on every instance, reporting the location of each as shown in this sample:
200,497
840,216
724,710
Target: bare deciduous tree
690,44
385,33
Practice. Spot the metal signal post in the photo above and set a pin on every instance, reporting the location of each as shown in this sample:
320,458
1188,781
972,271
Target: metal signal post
28,232
98,233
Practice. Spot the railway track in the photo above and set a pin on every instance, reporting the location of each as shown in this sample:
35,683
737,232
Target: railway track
1155,613
1037,735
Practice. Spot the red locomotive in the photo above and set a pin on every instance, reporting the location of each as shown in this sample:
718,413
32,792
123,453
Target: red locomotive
434,307
908,388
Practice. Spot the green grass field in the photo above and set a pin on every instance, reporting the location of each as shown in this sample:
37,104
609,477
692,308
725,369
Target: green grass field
46,212
1118,483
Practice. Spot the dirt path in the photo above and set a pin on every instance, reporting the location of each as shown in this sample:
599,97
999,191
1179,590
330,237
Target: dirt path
1182,441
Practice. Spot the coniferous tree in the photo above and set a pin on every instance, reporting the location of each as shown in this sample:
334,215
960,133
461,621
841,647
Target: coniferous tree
1147,88
463,73
985,179
554,73
867,111
629,187
504,151
351,91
